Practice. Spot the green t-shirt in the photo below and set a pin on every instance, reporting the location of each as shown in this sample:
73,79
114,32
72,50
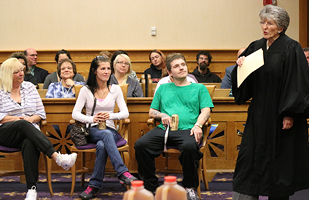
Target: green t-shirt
185,101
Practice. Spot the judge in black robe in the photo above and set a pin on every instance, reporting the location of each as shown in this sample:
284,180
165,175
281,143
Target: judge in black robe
273,161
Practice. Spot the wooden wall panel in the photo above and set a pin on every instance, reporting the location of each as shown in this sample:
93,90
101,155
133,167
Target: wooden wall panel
139,58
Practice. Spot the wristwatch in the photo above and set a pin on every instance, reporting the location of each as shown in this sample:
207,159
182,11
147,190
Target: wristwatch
197,124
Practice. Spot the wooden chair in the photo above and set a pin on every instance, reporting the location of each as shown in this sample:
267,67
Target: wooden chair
143,84
218,85
40,85
6,153
42,92
149,85
222,92
202,163
123,129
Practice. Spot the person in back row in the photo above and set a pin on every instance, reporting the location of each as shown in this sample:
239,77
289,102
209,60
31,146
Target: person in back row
32,57
21,110
115,54
157,66
54,77
66,70
27,75
192,103
123,68
202,72
98,88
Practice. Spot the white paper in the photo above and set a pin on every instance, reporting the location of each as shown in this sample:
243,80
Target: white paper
251,63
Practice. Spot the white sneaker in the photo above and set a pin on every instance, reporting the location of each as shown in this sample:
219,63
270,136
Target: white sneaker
31,194
66,161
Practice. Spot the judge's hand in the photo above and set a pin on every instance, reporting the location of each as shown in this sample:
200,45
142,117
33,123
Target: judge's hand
287,123
240,60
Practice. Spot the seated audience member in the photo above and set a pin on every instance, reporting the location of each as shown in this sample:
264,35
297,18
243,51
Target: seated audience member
21,110
115,54
306,52
53,77
169,79
122,67
28,76
105,53
157,59
202,72
39,73
192,103
66,70
227,79
98,86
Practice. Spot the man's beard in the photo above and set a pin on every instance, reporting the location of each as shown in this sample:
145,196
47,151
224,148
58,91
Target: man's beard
203,66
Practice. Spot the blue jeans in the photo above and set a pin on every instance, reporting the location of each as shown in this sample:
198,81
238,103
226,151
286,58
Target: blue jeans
106,147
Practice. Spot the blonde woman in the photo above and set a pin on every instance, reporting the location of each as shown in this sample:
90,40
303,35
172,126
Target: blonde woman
123,68
21,110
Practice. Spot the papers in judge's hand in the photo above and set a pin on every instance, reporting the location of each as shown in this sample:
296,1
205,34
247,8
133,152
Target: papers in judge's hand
251,63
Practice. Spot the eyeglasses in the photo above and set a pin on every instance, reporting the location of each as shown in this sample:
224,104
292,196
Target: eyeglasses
267,24
123,63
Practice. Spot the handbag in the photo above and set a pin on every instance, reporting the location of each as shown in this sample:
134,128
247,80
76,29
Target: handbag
80,130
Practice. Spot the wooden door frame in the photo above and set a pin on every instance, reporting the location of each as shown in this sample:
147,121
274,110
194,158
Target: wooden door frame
303,23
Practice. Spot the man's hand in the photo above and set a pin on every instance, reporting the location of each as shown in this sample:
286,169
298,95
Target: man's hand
166,120
198,133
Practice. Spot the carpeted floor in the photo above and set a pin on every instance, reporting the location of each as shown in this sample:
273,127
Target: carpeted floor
220,188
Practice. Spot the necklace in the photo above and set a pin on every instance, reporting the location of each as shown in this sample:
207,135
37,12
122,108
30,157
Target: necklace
101,96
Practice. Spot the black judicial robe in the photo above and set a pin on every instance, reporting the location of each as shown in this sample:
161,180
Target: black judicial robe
271,161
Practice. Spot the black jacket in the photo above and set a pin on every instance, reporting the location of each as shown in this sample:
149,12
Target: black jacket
206,78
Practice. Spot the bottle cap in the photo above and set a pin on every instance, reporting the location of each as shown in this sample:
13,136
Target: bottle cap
170,178
137,183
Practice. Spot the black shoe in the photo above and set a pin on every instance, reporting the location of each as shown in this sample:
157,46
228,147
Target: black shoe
126,178
89,193
191,194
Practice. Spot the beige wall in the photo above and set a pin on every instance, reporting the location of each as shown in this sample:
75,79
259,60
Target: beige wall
125,24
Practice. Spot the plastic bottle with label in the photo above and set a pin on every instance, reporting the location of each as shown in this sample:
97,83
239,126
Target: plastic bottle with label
138,192
170,190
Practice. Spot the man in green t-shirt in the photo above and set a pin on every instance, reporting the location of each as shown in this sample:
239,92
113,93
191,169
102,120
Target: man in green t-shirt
192,103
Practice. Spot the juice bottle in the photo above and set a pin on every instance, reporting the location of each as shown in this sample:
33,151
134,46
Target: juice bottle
170,190
137,192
